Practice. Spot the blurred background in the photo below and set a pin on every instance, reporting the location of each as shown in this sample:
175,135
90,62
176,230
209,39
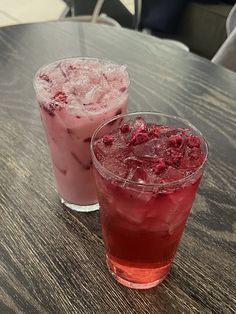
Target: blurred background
199,24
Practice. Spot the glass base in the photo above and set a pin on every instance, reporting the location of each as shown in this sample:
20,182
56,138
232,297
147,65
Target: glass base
137,278
80,208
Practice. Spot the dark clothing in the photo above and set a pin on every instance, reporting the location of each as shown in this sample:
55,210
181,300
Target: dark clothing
164,15
159,15
215,1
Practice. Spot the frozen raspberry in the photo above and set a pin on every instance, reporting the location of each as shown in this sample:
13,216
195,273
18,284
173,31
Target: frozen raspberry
174,140
122,89
160,166
44,77
139,137
50,108
195,153
154,131
176,157
193,141
108,139
60,97
173,157
72,68
124,128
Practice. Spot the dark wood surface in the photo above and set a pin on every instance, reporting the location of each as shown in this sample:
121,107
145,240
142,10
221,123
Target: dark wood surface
52,259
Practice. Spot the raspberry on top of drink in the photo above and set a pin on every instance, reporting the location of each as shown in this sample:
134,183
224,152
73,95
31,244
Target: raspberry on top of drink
83,86
150,154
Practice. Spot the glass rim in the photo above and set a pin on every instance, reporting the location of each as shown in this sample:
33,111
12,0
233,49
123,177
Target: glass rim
151,185
105,60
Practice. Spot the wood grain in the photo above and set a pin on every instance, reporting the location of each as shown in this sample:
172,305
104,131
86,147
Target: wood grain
52,259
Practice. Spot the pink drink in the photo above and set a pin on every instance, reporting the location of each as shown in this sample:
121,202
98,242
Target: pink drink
75,96
147,175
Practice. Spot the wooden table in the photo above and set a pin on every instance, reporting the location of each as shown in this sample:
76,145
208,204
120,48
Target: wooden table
52,259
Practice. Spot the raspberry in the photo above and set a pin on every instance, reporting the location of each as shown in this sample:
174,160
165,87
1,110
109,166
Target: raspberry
122,89
71,68
108,139
176,157
124,128
194,154
60,97
154,131
174,140
44,77
193,141
173,157
160,166
139,137
84,166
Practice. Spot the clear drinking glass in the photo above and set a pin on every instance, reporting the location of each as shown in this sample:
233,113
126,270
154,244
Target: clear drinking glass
142,223
75,95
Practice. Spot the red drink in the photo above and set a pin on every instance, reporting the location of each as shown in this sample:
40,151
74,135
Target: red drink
147,175
75,96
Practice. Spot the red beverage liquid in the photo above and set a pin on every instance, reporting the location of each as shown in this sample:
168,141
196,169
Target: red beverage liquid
147,176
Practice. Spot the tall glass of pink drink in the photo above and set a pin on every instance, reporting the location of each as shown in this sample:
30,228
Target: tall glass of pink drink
148,167
75,95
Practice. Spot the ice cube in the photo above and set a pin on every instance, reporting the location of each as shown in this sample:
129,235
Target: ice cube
149,150
139,124
133,162
139,175
133,204
173,174
116,167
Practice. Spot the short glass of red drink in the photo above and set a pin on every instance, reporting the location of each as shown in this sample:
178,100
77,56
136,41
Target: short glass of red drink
147,169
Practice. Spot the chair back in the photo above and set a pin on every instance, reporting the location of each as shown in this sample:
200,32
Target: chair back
231,20
226,55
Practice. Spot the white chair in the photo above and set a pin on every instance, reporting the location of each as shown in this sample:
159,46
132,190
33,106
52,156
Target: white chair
231,20
96,17
226,55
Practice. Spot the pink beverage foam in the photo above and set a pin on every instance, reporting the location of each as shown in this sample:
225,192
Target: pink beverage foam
147,177
76,95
